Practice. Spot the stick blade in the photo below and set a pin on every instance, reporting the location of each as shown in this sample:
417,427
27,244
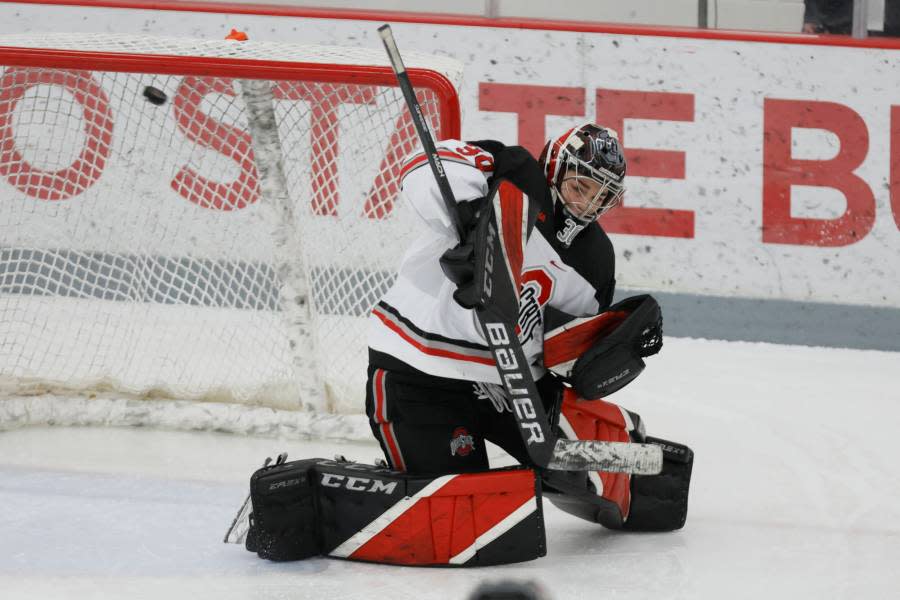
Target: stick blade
614,457
240,526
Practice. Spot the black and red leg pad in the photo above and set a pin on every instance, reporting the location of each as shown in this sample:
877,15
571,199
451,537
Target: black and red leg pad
361,512
618,500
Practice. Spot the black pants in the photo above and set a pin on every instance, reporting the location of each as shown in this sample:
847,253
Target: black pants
431,425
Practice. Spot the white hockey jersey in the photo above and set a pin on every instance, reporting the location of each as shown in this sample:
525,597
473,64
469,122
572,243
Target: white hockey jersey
419,323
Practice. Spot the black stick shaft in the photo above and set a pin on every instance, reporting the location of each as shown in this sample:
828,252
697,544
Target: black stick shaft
425,136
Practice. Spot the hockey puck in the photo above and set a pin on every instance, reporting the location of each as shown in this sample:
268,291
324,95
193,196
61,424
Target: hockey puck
155,95
509,590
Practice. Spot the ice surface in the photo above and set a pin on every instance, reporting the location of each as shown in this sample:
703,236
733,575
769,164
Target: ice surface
796,494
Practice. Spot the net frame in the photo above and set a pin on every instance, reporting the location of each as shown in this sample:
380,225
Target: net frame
250,64
238,68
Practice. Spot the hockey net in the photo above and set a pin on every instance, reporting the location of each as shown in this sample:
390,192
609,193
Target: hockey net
192,232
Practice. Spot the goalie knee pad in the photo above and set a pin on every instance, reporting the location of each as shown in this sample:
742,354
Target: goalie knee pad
361,512
618,500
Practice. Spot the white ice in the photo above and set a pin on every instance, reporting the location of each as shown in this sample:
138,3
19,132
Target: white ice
796,494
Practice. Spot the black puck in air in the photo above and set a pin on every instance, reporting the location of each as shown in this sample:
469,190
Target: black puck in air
155,95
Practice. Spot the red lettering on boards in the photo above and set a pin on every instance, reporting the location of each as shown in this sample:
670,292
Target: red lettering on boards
97,118
781,171
532,104
613,107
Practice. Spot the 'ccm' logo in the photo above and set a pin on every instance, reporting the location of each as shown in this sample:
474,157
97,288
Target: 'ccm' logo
357,484
488,281
513,379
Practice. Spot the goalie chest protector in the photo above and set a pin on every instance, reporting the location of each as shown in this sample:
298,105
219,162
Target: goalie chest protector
361,512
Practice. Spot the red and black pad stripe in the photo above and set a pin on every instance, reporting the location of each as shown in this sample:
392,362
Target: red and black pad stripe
493,517
599,420
567,343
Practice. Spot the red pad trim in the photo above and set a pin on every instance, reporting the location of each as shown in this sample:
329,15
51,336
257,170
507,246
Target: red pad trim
513,206
448,522
572,340
601,420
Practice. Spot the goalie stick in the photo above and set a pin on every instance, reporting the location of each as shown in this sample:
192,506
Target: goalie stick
498,313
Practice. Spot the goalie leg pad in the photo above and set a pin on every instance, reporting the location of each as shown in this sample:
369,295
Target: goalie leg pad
361,512
599,497
618,500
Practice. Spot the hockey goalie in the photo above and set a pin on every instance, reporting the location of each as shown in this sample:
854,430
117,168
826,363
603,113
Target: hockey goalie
434,395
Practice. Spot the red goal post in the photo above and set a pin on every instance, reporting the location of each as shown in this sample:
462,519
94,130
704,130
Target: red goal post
197,220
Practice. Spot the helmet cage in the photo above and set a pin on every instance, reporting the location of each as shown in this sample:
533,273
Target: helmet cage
608,195
583,152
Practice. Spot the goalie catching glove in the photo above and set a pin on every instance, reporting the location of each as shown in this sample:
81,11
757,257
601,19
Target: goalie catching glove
602,354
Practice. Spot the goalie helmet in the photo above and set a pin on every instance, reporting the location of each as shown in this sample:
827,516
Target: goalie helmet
585,169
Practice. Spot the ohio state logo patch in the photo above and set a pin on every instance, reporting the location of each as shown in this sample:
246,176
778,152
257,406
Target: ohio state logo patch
537,287
462,443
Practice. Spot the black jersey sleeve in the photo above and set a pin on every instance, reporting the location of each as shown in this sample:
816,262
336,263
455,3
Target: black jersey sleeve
591,255
603,278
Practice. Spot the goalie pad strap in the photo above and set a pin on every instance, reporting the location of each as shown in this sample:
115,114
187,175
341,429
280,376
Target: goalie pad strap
361,512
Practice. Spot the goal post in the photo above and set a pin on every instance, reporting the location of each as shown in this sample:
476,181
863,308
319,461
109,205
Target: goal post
193,220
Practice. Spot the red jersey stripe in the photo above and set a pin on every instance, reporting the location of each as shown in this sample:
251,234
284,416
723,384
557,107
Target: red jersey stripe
425,349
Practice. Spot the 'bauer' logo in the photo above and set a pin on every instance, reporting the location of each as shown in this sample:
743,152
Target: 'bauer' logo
513,381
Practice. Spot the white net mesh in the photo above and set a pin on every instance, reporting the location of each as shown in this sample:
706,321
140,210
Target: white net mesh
183,248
